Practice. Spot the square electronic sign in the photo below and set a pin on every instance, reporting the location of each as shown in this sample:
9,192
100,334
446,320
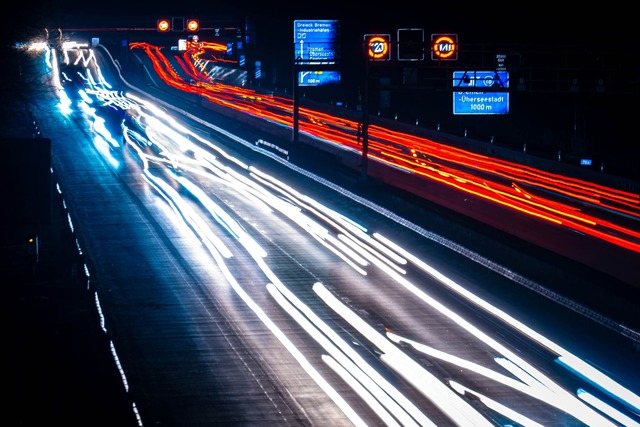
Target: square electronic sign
410,44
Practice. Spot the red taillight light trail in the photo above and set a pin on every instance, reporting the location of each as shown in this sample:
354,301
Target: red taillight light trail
491,179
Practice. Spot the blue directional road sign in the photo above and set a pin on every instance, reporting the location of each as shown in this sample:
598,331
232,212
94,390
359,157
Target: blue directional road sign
482,92
316,41
318,78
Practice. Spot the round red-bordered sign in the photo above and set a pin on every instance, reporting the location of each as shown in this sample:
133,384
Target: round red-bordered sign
378,47
445,47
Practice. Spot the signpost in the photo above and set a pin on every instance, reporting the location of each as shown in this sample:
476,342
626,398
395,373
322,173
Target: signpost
316,41
318,78
316,54
480,92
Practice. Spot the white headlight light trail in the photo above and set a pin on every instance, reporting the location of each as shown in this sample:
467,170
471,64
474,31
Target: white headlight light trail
344,354
606,408
496,406
442,396
592,375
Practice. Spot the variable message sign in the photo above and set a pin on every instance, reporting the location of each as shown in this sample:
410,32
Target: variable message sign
377,47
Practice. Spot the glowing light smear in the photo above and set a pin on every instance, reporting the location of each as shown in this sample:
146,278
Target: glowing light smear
498,181
162,144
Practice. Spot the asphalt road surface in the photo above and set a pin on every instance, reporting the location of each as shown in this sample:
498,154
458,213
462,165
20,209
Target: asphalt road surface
194,350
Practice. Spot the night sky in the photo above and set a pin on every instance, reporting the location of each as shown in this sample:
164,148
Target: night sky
533,22
607,33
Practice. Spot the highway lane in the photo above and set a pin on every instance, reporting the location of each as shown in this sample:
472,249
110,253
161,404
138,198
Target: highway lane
617,261
370,296
175,360
293,250
507,195
523,189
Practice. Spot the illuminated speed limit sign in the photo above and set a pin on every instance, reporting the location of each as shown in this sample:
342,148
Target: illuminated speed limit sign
163,25
378,47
